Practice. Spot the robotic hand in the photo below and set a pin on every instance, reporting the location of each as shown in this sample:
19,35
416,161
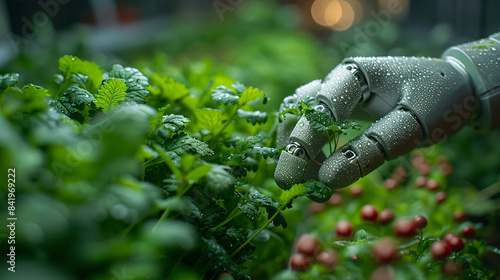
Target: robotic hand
418,102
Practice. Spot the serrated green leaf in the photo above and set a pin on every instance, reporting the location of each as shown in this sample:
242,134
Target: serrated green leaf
317,191
253,117
70,64
175,123
244,145
360,235
182,143
264,151
423,246
210,119
250,94
8,80
79,79
219,178
70,98
224,95
238,171
318,120
129,75
28,99
261,199
110,95
250,210
136,93
239,87
295,191
279,220
167,87
198,172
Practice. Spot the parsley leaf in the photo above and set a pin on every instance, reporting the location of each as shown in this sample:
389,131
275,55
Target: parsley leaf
110,95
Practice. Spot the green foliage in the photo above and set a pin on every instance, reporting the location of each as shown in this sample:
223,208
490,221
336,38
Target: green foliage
110,95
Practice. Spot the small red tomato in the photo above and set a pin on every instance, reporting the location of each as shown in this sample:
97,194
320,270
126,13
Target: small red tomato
399,173
452,268
404,228
316,207
328,258
356,190
385,250
391,184
299,262
441,197
307,245
432,185
421,182
447,237
419,221
417,160
440,250
445,168
335,199
386,216
459,216
384,272
424,169
369,212
225,276
344,229
468,232
456,243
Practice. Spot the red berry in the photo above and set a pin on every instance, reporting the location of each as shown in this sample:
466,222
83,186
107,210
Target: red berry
299,262
456,243
440,250
420,221
307,245
385,250
404,228
441,197
391,184
384,272
459,216
445,167
335,199
432,185
356,190
417,160
452,268
447,237
316,207
328,258
354,258
386,216
369,212
344,229
468,232
225,276
399,173
421,182
424,169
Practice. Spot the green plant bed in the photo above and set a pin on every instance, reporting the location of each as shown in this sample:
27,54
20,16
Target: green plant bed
128,174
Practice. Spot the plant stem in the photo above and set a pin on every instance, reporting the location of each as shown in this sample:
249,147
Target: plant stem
259,231
214,137
230,218
163,217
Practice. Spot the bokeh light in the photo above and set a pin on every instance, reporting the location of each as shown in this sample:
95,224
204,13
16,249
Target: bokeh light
336,14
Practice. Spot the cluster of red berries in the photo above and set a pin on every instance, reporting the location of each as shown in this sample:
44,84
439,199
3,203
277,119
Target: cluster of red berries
308,250
451,243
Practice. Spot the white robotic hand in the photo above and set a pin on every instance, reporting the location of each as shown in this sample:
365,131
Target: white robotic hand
418,102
